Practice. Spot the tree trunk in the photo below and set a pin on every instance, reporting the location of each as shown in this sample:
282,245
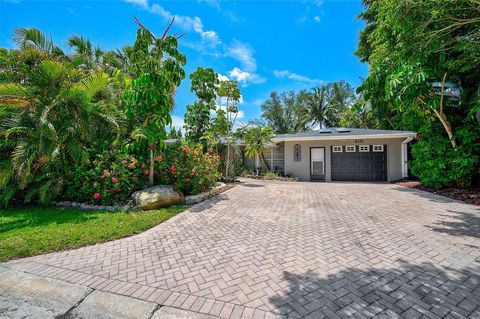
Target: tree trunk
262,158
446,125
150,173
443,117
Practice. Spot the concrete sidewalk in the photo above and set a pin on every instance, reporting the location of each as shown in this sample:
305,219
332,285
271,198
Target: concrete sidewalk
24,295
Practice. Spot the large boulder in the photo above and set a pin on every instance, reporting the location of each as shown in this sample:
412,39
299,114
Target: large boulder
157,197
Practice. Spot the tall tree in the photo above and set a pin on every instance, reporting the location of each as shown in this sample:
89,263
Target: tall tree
423,75
230,93
281,111
157,68
204,83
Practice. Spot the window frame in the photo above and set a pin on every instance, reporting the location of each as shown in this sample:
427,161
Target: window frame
382,148
364,151
350,151
336,150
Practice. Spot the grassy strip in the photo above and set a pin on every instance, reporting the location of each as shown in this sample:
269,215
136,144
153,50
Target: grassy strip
33,231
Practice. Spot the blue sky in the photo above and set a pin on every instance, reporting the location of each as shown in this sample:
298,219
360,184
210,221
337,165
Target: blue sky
265,45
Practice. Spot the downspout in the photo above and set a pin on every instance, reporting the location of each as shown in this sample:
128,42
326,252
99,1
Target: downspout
405,156
271,159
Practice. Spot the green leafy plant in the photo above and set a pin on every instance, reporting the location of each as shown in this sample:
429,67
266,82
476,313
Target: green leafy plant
257,139
157,69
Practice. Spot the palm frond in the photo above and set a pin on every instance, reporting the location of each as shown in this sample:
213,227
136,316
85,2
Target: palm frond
12,94
34,38
52,71
95,83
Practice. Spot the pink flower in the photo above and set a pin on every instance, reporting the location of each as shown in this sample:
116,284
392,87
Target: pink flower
154,171
174,183
218,157
124,162
187,179
173,168
186,150
193,171
142,166
174,158
115,180
146,172
96,195
158,158
165,176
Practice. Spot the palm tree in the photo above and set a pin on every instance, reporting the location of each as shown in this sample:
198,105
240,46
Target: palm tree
48,121
324,105
86,56
32,38
256,140
317,108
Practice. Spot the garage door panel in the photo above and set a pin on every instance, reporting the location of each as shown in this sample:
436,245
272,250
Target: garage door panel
359,166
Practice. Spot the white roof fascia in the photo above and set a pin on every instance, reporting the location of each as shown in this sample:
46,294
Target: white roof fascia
346,137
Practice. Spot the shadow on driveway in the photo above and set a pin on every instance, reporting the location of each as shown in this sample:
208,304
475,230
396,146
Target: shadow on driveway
460,224
209,203
407,291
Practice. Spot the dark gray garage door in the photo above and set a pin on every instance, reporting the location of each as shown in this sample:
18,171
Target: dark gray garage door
359,166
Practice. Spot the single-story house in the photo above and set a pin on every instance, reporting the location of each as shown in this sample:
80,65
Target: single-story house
340,154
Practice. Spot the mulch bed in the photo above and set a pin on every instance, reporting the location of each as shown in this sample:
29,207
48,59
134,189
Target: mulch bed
470,195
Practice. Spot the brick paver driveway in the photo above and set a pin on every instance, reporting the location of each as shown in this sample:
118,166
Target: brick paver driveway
298,249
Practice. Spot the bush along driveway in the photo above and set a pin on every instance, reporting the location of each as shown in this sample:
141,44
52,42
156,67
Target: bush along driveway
302,250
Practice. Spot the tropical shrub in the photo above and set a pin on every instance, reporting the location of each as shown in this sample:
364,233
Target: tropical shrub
438,165
109,179
188,168
52,112
113,176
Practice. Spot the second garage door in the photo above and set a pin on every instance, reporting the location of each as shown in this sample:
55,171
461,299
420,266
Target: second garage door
359,163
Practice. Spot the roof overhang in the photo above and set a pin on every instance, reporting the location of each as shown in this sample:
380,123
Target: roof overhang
343,137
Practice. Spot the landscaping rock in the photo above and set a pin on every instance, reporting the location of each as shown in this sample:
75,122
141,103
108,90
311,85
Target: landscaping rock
158,197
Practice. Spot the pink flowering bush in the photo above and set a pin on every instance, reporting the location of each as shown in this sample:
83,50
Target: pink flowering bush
113,176
188,168
109,179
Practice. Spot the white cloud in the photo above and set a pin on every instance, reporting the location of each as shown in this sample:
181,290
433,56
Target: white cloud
141,3
211,43
240,114
210,37
213,3
243,53
285,74
238,75
186,23
177,122
317,19
222,77
244,78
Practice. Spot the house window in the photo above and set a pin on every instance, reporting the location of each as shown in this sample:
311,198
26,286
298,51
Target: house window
364,148
337,149
297,152
350,148
378,148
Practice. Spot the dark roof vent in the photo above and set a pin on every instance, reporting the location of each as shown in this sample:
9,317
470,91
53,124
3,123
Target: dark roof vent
343,130
324,130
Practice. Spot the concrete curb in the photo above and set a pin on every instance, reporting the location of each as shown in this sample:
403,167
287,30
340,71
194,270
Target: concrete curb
24,295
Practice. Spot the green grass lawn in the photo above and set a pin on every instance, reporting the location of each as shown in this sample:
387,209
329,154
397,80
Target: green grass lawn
32,231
